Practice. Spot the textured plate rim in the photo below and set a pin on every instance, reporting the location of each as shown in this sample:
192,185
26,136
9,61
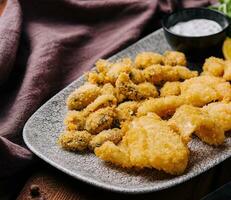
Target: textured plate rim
91,181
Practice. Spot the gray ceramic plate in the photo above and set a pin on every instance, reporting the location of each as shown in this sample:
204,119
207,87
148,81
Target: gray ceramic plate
43,128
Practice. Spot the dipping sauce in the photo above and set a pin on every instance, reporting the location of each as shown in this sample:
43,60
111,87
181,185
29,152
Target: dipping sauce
196,27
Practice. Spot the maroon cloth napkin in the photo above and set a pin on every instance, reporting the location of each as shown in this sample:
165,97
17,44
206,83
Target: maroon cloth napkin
46,44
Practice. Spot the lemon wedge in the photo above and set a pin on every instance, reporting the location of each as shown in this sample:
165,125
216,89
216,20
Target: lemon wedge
227,49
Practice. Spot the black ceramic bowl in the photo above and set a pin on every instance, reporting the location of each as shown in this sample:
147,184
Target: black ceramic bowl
196,47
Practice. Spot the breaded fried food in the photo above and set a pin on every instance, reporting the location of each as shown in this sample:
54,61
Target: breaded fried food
163,106
75,120
109,89
199,94
96,78
185,73
149,143
101,101
108,72
199,91
170,89
114,135
136,76
189,119
227,69
158,74
127,110
220,112
120,115
174,58
214,66
75,140
135,92
123,65
145,59
83,96
100,120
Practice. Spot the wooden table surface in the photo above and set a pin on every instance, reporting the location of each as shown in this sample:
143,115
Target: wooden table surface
41,181
55,185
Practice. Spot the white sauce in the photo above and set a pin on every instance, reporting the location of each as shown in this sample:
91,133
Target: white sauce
196,27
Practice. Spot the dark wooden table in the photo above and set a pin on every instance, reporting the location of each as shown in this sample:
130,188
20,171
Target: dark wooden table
55,185
48,183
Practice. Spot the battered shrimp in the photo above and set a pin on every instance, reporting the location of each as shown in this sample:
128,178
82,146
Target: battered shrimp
135,92
170,89
146,59
174,58
75,140
82,96
114,135
100,120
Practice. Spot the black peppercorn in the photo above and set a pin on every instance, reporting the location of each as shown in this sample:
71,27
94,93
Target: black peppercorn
34,190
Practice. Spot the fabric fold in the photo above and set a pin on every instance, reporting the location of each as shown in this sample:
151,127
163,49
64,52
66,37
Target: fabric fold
46,44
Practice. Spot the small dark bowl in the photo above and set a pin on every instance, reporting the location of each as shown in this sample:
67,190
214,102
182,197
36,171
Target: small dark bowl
196,48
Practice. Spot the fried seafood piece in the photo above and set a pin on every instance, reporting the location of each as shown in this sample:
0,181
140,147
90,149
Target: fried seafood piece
220,112
109,89
123,65
227,73
101,101
174,58
149,142
202,90
163,106
82,96
96,78
114,135
135,92
107,72
99,76
136,76
75,120
146,59
158,74
189,119
75,140
214,66
100,120
185,73
170,89
127,110
197,91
